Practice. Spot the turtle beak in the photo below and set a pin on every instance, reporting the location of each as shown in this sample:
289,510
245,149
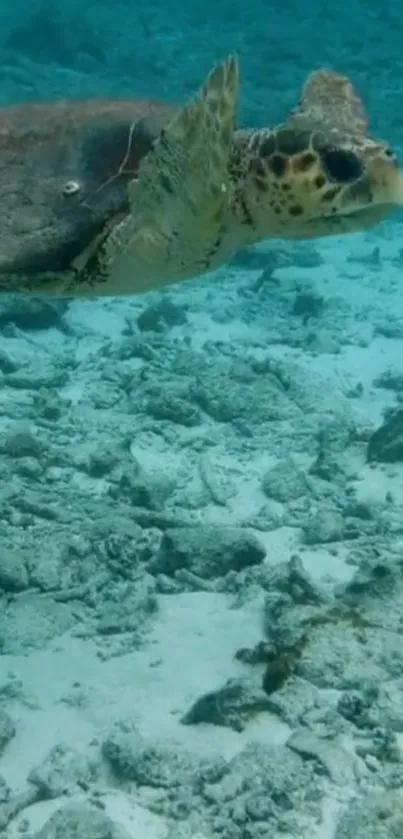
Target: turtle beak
397,188
387,178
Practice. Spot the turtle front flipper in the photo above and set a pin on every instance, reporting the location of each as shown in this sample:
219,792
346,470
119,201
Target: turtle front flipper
179,201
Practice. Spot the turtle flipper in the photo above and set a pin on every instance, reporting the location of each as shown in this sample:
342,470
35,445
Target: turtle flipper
179,200
329,98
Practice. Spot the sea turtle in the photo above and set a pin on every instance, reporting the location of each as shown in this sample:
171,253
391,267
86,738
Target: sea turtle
109,198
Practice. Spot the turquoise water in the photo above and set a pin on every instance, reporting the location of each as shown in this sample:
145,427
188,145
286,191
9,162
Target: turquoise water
201,488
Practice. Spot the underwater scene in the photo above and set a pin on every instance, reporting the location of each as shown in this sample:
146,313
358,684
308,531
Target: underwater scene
201,408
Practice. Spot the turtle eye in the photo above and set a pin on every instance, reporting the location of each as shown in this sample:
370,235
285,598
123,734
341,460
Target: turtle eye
341,165
389,153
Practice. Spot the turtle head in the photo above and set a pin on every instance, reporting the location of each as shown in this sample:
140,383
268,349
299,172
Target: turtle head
320,173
